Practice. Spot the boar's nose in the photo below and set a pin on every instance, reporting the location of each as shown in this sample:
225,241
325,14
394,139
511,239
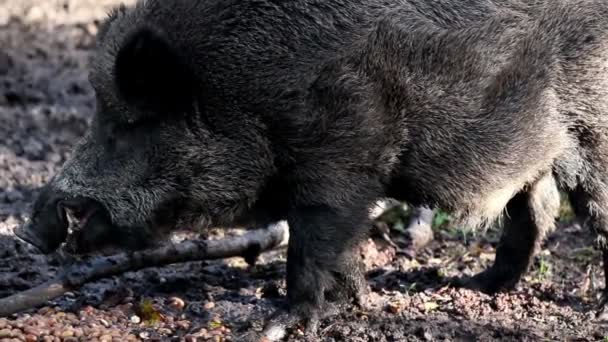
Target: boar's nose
47,228
27,234
54,212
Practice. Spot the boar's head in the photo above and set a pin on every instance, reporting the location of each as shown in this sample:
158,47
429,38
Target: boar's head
162,152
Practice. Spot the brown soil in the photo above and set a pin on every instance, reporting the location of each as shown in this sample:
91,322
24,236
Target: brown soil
46,104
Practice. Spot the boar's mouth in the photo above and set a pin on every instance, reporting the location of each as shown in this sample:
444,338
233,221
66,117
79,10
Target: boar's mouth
93,231
88,231
77,220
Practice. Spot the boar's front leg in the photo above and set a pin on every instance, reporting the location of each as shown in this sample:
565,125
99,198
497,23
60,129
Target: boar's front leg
321,264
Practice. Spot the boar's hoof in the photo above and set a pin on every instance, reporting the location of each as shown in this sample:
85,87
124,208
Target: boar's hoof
488,281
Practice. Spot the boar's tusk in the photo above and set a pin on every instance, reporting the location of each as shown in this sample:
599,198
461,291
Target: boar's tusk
94,268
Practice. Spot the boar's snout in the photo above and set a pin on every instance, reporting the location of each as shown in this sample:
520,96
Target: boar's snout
28,234
54,213
48,225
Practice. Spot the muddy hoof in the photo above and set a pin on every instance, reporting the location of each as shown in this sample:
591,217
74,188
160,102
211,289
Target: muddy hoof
488,282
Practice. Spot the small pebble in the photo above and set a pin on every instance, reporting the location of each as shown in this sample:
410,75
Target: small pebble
56,158
184,325
165,331
135,319
67,333
44,310
78,332
30,330
105,338
177,303
203,333
5,333
393,308
88,309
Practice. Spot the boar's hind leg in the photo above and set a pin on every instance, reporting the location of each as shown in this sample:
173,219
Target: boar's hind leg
529,216
591,206
321,263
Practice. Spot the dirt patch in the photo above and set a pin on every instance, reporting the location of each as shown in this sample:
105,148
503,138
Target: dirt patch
45,106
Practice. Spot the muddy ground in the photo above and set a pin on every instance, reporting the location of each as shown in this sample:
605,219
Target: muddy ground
46,104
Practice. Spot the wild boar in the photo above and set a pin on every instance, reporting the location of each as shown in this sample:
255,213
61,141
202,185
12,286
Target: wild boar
226,112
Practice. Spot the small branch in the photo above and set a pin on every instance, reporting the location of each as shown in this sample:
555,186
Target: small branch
248,245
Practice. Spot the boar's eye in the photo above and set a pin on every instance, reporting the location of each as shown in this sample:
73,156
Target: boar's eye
151,75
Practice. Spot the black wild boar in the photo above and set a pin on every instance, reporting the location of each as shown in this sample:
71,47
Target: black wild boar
225,112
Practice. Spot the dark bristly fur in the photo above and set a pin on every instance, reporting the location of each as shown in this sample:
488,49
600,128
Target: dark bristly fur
230,111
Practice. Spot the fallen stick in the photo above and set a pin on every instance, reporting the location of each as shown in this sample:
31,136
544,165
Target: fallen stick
248,245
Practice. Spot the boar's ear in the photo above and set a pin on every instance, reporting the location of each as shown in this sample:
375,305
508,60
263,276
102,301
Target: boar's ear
150,73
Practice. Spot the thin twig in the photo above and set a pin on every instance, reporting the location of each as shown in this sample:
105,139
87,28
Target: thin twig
247,245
